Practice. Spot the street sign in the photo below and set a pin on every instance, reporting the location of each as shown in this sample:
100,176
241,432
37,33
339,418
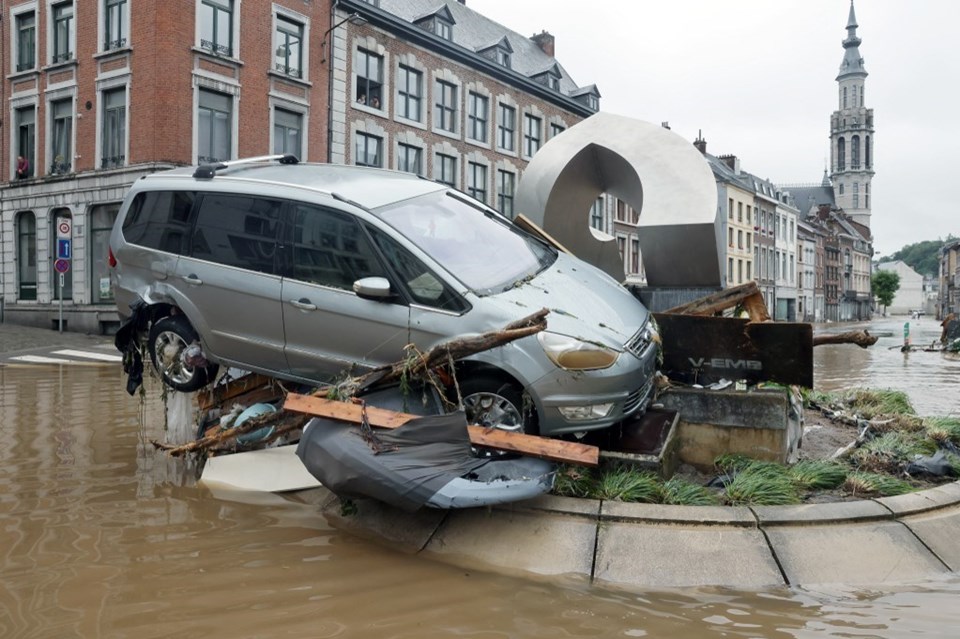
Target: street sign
61,266
64,227
64,250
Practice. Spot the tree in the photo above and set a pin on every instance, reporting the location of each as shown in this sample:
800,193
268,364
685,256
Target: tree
884,285
923,257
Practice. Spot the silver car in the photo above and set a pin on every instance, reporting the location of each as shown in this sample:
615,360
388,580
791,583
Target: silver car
306,271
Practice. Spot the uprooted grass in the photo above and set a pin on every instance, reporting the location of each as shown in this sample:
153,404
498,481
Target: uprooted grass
891,451
866,484
681,492
627,484
623,483
760,486
817,474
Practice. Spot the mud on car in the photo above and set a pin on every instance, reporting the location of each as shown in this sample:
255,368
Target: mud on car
304,271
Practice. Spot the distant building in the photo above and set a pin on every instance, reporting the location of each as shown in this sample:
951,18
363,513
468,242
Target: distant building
909,297
949,294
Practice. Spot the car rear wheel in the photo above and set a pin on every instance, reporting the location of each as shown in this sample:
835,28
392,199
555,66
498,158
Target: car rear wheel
496,403
169,337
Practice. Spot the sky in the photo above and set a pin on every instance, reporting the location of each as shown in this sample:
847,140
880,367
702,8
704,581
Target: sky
758,78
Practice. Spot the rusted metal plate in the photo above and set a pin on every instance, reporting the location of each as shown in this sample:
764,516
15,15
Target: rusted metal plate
703,350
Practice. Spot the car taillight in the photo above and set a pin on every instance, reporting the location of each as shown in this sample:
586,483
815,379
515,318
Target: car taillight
110,258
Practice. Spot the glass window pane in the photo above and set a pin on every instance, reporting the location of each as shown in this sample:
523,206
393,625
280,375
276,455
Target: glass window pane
330,248
237,231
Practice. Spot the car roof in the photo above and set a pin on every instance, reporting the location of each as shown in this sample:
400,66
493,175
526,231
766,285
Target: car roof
368,187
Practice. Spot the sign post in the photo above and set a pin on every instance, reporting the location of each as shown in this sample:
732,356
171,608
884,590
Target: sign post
64,255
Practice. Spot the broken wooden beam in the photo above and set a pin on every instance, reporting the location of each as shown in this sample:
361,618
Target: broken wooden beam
862,338
208,398
531,445
746,295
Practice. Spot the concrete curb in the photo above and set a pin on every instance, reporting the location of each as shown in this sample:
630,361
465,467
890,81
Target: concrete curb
888,540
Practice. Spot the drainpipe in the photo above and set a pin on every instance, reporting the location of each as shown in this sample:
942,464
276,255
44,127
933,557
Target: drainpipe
333,17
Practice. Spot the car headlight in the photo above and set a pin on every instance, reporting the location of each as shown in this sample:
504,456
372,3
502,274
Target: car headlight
572,354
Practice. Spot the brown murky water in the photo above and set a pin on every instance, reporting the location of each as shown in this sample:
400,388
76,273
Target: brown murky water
101,537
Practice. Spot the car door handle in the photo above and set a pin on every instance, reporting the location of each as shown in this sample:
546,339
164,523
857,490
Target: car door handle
192,279
304,304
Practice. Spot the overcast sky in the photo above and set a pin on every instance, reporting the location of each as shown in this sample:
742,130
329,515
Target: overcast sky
758,77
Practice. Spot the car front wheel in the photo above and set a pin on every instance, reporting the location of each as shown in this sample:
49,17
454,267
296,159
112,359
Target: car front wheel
495,403
169,337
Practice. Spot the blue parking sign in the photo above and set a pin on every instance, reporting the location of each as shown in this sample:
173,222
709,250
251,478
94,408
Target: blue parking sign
64,250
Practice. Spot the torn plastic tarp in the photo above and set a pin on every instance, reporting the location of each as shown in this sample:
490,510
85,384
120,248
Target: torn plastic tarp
426,462
126,341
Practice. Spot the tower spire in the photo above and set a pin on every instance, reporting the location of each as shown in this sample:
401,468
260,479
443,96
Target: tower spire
852,63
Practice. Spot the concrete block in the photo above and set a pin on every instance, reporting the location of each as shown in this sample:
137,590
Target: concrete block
375,520
666,556
657,513
866,553
589,508
930,499
842,511
517,542
938,530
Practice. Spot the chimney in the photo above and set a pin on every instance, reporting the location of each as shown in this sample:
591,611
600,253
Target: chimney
731,161
700,143
665,125
545,41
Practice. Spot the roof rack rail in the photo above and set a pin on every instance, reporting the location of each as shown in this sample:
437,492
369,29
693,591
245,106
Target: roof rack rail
209,170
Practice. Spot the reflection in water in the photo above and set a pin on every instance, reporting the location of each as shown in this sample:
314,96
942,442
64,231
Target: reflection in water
930,379
102,537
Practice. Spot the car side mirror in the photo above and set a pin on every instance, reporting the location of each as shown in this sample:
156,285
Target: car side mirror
374,288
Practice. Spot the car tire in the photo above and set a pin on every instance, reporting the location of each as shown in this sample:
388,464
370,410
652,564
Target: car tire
492,402
169,336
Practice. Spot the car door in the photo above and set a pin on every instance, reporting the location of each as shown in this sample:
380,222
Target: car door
231,278
329,329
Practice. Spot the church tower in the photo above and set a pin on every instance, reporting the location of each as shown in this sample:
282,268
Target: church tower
851,132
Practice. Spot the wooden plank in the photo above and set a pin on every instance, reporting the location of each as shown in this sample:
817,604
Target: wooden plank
207,399
533,228
747,294
551,449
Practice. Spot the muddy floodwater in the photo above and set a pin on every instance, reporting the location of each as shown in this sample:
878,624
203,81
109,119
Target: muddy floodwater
102,537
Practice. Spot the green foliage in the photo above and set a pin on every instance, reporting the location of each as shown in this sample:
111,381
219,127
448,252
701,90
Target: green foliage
922,257
863,483
758,486
943,429
879,403
573,482
627,484
817,474
884,285
680,492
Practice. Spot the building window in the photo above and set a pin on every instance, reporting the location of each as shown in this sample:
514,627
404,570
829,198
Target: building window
739,239
27,255
116,24
503,58
409,93
596,214
26,41
62,136
739,271
447,169
505,187
730,209
287,132
532,134
63,32
477,117
855,152
556,129
26,137
477,186
740,212
841,154
730,270
749,215
101,223
856,195
66,291
114,129
369,150
289,53
506,127
369,68
866,151
749,241
749,271
634,256
214,127
730,236
216,26
445,113
443,29
840,188
410,159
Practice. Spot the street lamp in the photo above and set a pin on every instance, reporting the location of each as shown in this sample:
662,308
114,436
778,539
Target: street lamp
354,18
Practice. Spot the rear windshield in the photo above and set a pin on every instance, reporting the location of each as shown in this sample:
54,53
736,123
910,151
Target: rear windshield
475,245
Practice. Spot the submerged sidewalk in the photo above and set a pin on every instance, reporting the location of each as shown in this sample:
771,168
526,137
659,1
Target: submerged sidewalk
907,538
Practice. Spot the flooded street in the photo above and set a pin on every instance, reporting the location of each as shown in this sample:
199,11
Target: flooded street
100,536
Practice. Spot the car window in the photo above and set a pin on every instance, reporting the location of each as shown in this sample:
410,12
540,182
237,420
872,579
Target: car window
237,230
160,220
476,246
330,248
423,285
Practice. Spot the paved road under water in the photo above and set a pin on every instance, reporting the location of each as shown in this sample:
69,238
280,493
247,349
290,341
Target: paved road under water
102,537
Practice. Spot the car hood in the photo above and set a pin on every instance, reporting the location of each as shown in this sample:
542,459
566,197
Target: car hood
584,302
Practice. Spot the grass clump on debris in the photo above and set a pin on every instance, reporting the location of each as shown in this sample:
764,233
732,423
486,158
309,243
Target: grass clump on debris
628,484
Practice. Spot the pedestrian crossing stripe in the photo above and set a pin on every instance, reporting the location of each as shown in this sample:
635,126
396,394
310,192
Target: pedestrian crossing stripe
40,359
103,357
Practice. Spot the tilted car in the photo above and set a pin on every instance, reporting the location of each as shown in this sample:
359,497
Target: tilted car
306,271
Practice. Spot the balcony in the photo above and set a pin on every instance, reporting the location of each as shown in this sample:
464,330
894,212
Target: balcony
110,45
113,162
216,49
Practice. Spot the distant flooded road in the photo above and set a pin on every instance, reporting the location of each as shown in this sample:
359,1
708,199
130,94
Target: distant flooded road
100,536
931,380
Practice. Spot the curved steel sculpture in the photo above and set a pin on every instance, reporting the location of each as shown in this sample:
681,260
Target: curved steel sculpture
657,172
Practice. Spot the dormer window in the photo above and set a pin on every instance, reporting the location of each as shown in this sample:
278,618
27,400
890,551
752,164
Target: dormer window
503,58
594,102
550,77
443,28
439,22
500,52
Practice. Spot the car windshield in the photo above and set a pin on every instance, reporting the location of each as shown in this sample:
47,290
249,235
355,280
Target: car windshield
477,246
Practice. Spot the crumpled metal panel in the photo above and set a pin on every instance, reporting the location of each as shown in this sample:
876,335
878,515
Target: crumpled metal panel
655,171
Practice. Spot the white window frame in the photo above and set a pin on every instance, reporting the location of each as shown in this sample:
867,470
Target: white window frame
470,117
15,13
235,31
445,75
104,87
303,111
49,156
200,82
51,36
102,27
293,16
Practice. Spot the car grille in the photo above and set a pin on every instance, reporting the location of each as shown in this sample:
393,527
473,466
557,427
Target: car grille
636,398
640,341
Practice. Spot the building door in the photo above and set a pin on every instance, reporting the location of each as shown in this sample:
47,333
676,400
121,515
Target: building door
102,217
